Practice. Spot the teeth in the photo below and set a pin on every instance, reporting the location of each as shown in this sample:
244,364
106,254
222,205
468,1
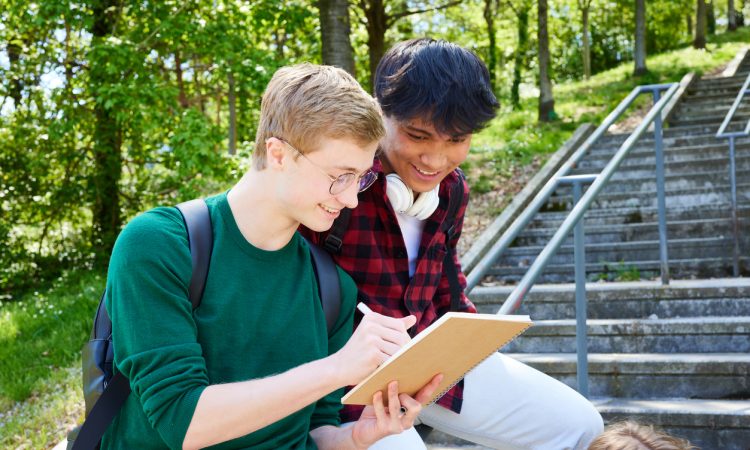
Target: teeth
424,172
332,211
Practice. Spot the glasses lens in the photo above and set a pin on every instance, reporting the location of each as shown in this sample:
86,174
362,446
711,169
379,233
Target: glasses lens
366,180
340,184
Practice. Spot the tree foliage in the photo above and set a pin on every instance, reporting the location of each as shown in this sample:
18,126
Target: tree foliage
110,107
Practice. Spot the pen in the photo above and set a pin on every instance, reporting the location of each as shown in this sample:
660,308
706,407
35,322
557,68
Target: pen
364,309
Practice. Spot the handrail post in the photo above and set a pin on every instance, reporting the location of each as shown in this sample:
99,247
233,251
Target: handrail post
735,218
579,257
660,195
582,368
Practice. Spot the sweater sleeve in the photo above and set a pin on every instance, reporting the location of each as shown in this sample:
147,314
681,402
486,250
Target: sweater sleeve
153,330
327,409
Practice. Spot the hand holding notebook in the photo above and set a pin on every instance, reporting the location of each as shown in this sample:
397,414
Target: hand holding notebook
452,346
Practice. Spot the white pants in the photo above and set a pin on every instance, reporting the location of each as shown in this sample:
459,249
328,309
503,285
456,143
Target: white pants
508,405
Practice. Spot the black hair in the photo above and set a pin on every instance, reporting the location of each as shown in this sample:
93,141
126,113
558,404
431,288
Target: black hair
436,79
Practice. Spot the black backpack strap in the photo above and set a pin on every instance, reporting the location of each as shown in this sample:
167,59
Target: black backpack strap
103,413
334,238
200,238
449,225
328,283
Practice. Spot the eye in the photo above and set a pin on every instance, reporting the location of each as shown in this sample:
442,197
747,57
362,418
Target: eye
458,139
416,137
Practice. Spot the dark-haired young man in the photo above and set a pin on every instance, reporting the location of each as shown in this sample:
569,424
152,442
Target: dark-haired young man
434,95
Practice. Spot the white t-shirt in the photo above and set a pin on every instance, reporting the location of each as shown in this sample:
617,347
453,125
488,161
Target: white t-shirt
411,230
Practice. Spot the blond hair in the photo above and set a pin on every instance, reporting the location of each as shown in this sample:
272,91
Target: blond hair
629,435
306,102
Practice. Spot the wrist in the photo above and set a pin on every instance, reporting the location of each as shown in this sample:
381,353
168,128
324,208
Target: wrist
355,444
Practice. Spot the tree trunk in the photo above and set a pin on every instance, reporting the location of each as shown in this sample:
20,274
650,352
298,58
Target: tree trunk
689,21
546,99
586,42
700,25
68,57
489,19
181,96
16,87
710,18
519,64
335,31
731,16
377,24
640,38
107,140
232,100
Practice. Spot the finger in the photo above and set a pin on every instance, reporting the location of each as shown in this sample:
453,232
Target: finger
388,348
398,324
408,321
398,337
425,394
377,405
394,405
410,408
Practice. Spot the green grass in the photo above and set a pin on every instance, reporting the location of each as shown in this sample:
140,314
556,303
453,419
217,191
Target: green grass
516,138
41,336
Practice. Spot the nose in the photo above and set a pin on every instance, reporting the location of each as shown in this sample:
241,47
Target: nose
434,159
349,196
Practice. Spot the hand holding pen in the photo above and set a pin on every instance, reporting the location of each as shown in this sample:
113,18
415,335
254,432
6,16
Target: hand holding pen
375,339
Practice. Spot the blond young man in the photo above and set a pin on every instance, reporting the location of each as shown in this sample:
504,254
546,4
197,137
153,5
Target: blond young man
254,366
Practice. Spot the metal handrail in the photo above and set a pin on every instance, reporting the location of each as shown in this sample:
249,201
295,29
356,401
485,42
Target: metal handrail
516,296
581,203
518,225
722,133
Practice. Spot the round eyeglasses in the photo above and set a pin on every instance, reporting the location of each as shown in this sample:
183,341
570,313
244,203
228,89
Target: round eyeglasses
343,181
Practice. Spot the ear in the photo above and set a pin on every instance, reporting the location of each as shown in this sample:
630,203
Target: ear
276,153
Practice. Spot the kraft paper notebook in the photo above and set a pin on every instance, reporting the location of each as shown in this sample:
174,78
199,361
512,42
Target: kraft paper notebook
452,345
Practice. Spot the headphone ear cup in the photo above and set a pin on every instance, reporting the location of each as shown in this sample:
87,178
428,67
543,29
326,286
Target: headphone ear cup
425,204
399,194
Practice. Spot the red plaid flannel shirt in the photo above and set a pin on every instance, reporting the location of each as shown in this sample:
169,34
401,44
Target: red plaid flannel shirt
374,254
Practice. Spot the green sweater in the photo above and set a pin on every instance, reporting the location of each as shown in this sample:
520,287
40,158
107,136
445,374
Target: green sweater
260,315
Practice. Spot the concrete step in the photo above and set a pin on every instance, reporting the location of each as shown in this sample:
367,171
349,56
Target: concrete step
688,109
709,424
668,133
709,121
618,252
706,137
629,215
673,335
715,96
735,80
620,300
676,160
680,197
651,375
706,177
710,145
607,234
616,271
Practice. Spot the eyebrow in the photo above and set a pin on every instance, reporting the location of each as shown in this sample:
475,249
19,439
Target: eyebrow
352,169
427,133
416,129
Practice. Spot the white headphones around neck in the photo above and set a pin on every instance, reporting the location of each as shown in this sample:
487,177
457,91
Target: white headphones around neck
402,198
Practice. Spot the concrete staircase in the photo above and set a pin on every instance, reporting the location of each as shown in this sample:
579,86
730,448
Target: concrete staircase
621,227
676,356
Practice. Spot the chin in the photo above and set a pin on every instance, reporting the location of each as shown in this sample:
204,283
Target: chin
317,226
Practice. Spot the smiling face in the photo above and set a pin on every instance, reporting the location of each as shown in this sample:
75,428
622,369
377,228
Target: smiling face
419,154
306,191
